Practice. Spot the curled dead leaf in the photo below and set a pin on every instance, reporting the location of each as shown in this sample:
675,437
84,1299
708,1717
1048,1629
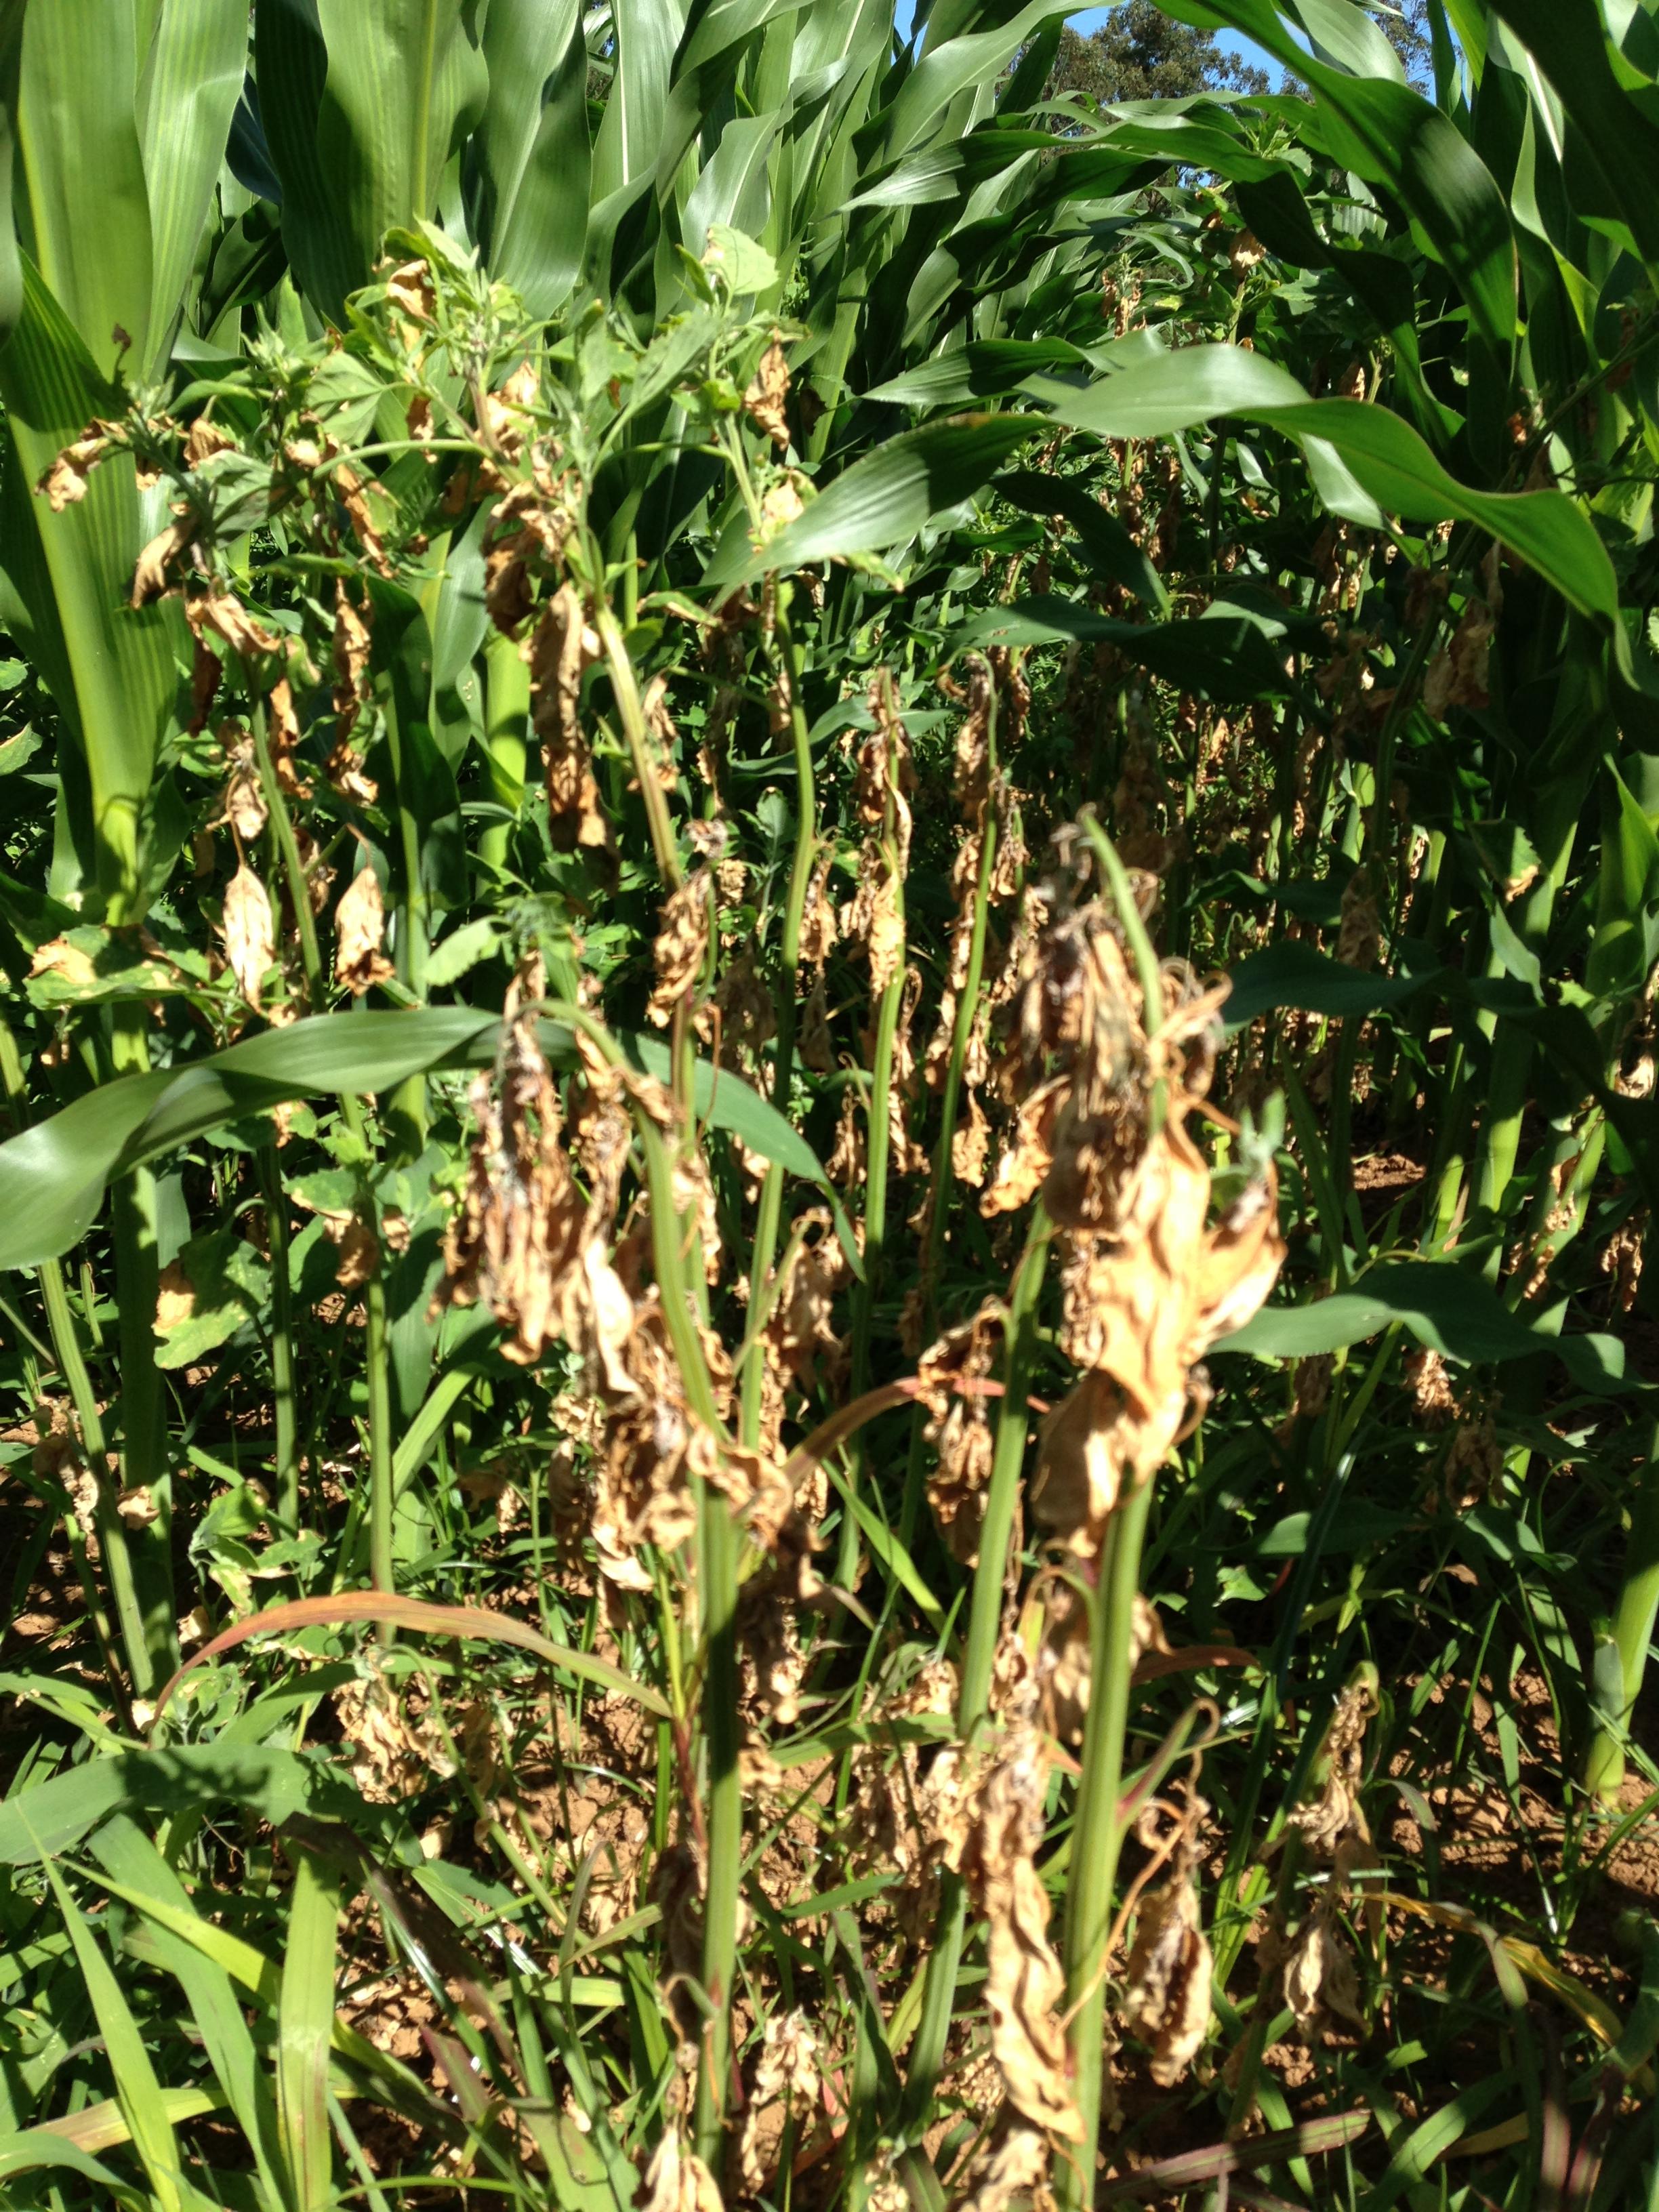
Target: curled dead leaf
359,934
206,438
223,613
764,399
64,483
681,945
1321,1977
283,735
959,1426
249,932
676,2179
151,574
243,804
563,647
1166,2000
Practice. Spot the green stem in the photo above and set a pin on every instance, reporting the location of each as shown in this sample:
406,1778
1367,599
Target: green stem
382,1570
717,1542
382,1488
632,716
111,1533
783,1067
143,1410
1096,1833
288,849
875,1238
282,1343
1632,1629
507,715
978,1656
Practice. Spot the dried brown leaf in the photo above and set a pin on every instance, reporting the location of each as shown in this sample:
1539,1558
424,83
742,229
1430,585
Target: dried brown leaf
283,735
681,945
765,396
359,934
1167,1997
150,574
563,648
205,438
65,482
249,933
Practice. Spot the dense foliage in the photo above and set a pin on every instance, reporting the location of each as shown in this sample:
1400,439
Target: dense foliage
832,888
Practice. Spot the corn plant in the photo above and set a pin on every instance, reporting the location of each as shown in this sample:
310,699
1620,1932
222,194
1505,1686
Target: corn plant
831,900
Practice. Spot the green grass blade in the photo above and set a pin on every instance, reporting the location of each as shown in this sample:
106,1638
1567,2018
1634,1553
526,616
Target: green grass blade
138,2090
305,2024
129,1856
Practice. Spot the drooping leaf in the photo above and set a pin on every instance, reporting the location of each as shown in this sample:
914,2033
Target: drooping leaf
888,495
452,1620
1293,974
1444,1306
1106,545
1384,456
266,1783
53,1177
1390,135
1226,654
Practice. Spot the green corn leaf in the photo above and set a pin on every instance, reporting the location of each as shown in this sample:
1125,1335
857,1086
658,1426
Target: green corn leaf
362,101
53,1177
532,147
984,368
405,79
43,2150
1106,545
888,495
11,267
1627,893
113,667
1392,136
1226,654
714,47
305,2023
1616,141
189,84
263,1978
81,172
950,67
102,2126
1293,974
292,64
630,136
59,1169
1384,456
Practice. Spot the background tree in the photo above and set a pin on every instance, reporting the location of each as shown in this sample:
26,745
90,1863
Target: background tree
1140,53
